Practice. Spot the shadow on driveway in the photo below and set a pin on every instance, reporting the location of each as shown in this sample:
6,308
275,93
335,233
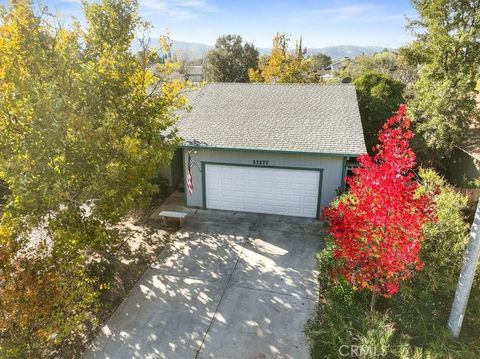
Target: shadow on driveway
231,285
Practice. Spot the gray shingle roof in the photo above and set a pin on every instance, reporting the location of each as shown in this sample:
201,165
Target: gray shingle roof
282,117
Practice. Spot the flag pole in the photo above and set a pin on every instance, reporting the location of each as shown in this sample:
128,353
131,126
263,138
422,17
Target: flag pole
465,281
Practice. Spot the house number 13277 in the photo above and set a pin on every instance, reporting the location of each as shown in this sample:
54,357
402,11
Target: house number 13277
260,162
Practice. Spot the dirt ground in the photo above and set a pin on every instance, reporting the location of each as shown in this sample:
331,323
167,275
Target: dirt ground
143,241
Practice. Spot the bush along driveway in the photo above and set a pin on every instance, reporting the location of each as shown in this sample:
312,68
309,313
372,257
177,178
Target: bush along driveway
233,285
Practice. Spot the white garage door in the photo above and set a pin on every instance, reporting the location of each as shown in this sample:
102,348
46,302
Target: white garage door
262,190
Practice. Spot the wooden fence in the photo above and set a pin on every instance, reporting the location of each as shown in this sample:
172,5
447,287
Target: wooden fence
473,194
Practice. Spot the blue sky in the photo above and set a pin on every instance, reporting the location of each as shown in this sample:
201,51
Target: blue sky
321,23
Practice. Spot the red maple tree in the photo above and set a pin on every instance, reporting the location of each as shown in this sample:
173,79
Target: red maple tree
377,226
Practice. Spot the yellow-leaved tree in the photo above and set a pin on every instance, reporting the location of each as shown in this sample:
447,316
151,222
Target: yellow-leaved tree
282,66
84,128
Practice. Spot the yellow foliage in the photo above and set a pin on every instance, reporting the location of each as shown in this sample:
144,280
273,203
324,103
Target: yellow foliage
82,122
282,66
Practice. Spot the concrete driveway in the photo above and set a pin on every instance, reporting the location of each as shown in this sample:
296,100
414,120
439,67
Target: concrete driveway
231,285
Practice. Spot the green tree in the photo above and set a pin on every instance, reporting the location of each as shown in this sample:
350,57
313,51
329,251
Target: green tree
447,50
230,60
378,98
83,130
384,62
320,61
395,64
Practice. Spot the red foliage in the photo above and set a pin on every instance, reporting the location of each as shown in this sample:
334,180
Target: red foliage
377,227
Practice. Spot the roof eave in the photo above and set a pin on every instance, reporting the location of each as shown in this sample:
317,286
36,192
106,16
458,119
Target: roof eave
186,145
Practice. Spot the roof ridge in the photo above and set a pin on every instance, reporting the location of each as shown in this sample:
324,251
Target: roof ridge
292,117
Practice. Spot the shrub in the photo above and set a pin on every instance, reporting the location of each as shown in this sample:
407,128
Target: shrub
43,302
428,297
413,323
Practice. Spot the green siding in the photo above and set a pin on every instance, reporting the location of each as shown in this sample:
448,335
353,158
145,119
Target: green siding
331,175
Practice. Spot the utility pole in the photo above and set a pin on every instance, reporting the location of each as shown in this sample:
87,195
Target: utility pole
466,278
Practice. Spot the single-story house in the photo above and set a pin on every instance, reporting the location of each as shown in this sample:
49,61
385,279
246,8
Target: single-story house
268,148
337,65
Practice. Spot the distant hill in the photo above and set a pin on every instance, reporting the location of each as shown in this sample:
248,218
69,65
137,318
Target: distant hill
341,51
194,50
338,52
189,50
182,49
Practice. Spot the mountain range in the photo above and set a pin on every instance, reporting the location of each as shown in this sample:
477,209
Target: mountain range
192,50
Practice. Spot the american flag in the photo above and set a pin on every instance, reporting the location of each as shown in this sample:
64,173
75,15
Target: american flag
189,176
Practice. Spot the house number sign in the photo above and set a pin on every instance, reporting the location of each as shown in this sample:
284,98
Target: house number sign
260,162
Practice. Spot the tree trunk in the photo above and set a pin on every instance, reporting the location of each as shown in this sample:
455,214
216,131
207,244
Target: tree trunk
373,301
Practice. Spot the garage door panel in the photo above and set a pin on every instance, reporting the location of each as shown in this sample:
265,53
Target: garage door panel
295,199
310,187
309,213
309,200
262,190
283,185
295,211
266,197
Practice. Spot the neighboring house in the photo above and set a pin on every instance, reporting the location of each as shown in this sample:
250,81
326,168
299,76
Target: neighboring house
175,75
325,74
194,74
337,65
269,148
329,72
